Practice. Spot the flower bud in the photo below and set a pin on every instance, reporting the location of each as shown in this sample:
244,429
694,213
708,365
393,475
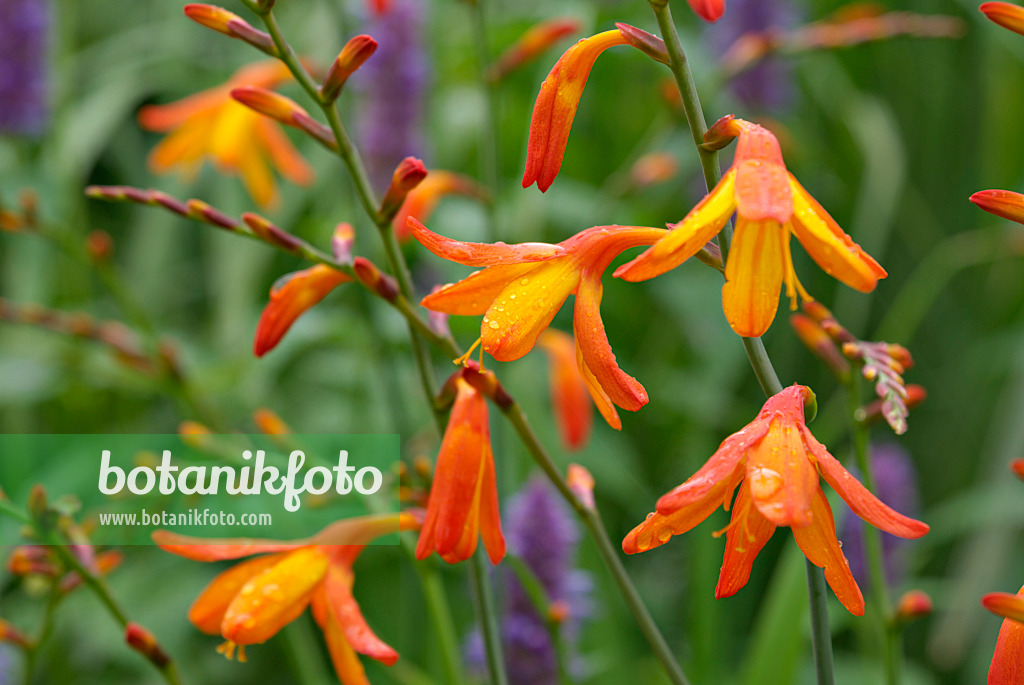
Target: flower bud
721,133
1017,466
201,211
12,635
373,278
1006,14
647,43
913,605
820,343
407,176
342,242
99,246
270,423
144,642
230,24
193,434
284,110
351,57
652,168
270,233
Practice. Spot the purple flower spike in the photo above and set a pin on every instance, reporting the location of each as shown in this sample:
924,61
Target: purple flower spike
24,35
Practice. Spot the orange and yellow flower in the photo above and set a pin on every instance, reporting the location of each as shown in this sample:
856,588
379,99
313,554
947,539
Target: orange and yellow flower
770,205
1008,661
463,503
290,297
524,285
421,200
211,125
775,461
249,603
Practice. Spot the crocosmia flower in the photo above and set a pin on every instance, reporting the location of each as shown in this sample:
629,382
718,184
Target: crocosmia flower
1006,14
463,504
569,393
422,200
1003,203
249,603
211,125
775,462
708,10
1008,661
770,204
290,298
522,288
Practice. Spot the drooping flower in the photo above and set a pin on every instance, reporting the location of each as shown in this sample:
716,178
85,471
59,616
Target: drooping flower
290,298
211,125
421,200
775,461
249,603
569,393
1007,666
770,204
463,503
524,285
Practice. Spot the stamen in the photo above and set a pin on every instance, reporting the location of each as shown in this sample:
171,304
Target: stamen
228,650
461,361
738,516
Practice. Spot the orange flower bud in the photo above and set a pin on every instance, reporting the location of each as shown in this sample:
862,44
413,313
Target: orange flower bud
99,246
1004,203
144,642
1009,653
1006,14
270,233
647,43
708,10
270,423
421,200
818,341
230,24
193,434
652,168
284,110
1017,466
378,282
536,40
913,605
290,298
408,174
351,57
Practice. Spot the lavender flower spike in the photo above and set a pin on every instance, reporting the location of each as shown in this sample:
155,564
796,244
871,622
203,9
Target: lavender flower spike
24,37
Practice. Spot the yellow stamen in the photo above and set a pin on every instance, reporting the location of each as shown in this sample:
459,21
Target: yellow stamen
738,517
461,361
227,649
793,285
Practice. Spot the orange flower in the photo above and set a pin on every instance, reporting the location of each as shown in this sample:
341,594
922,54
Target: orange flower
775,461
524,286
770,205
569,393
463,504
249,603
532,43
1006,14
212,125
1008,661
290,297
556,106
421,200
708,10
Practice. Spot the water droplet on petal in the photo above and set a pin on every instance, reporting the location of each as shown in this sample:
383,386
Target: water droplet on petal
493,325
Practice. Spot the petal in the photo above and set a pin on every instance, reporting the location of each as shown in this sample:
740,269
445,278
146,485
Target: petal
724,463
818,543
601,400
362,530
207,612
473,295
745,539
171,115
217,549
622,389
556,107
346,613
300,292
829,246
1003,203
256,176
346,663
659,528
1008,660
708,10
184,146
421,201
275,597
525,307
782,477
490,514
687,237
481,254
283,154
753,274
1005,604
858,497
762,182
569,394
1006,14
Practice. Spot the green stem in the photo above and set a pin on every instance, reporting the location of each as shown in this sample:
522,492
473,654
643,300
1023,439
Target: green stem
440,616
888,638
821,635
595,527
488,618
32,651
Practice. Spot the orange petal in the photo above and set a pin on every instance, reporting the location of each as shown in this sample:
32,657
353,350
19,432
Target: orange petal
556,107
481,254
301,291
490,514
601,400
473,295
859,498
256,176
762,182
185,146
207,612
753,274
1008,660
347,615
275,597
829,246
525,307
659,528
1006,14
818,543
687,237
283,154
166,117
622,389
708,10
217,549
782,478
346,663
569,394
1005,604
1003,203
744,540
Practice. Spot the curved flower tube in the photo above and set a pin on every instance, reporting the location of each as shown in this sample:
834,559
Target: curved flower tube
770,205
524,286
775,461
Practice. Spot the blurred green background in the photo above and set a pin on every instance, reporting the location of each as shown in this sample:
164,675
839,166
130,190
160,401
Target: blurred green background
891,136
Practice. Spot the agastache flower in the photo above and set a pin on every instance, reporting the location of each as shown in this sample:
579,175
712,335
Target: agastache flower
290,298
24,87
249,603
1007,666
770,205
463,503
775,461
522,288
211,125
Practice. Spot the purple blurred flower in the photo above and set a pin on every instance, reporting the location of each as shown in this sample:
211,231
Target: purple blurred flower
6,672
769,84
392,85
24,34
540,531
896,485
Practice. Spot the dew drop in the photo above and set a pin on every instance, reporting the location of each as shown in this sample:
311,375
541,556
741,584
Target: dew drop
525,281
493,325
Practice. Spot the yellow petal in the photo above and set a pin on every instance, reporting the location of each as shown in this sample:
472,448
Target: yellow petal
753,274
